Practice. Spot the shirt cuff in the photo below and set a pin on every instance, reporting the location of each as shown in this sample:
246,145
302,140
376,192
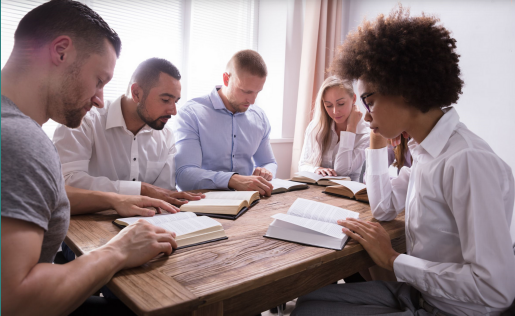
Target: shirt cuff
347,140
407,269
222,180
377,161
130,187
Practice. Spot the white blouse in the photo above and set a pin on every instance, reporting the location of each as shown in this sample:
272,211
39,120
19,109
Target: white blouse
458,200
346,157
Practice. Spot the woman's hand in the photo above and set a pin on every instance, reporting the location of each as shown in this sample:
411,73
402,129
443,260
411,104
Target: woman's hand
354,118
326,172
374,238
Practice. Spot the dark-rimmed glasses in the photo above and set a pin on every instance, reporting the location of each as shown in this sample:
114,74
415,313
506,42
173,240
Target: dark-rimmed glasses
363,97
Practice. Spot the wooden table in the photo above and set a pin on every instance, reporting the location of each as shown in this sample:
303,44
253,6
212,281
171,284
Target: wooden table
244,275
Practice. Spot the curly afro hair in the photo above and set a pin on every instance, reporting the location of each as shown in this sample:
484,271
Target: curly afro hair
401,55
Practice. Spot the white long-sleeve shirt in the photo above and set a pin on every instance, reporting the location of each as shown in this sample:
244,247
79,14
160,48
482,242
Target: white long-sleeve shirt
346,156
458,198
103,155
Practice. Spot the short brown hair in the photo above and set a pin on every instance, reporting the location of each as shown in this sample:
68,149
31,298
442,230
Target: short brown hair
248,61
413,57
66,17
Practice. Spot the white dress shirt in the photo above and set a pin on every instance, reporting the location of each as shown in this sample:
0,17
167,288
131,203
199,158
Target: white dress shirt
103,155
458,197
346,156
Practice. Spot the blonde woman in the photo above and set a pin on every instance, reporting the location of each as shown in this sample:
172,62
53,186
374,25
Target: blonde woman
337,137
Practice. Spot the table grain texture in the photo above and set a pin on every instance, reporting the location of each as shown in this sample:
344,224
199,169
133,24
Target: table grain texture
244,275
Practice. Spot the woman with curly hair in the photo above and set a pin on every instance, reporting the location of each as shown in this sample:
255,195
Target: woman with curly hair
337,137
458,196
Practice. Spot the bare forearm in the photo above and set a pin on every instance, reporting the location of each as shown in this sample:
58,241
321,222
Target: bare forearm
60,289
85,201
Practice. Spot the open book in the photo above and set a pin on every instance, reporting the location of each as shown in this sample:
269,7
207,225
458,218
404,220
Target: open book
350,189
311,223
313,178
223,204
189,228
281,186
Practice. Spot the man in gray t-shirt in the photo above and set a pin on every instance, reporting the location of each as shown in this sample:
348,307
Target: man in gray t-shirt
63,55
32,182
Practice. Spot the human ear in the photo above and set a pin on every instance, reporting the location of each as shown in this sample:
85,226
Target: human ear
136,92
61,50
226,79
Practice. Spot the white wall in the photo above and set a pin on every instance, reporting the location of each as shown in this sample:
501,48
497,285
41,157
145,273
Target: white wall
485,34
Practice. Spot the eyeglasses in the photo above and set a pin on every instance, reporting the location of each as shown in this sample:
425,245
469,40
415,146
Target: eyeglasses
363,97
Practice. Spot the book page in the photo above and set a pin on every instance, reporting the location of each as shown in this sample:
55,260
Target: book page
230,195
310,175
209,201
351,185
319,211
329,229
280,183
159,218
335,177
191,225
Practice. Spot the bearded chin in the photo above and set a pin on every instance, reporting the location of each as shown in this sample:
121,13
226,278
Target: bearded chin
73,118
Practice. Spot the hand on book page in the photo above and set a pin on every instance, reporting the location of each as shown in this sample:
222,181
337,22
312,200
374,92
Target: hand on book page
374,238
133,205
326,172
250,183
172,197
140,242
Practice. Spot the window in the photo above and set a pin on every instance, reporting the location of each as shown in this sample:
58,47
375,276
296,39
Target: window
197,36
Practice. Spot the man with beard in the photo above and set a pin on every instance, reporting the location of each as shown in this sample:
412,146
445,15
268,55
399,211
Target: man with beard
223,139
64,54
126,147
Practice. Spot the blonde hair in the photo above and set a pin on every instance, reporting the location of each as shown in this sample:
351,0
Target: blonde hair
320,135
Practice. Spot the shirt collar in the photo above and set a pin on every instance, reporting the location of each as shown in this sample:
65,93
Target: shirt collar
434,143
115,116
216,100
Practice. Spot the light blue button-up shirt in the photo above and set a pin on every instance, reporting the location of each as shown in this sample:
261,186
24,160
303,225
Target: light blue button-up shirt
213,143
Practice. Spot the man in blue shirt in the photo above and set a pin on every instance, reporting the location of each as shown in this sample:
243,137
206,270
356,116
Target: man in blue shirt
223,139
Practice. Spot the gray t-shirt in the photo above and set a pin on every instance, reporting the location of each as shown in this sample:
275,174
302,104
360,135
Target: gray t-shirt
32,181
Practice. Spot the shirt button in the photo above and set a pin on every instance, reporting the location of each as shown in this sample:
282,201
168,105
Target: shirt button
235,136
134,159
233,156
134,138
134,179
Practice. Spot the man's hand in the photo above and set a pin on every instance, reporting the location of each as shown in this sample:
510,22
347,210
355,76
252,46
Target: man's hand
172,197
250,183
354,118
374,238
132,205
326,172
262,172
138,243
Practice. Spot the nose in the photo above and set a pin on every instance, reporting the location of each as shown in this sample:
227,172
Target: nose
368,117
98,99
252,99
